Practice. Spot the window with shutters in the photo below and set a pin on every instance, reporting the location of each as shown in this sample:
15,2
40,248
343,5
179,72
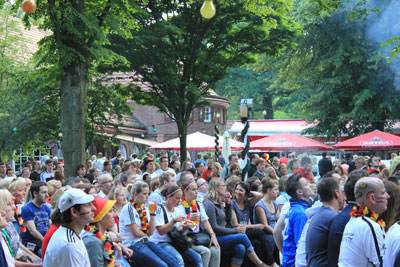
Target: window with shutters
207,115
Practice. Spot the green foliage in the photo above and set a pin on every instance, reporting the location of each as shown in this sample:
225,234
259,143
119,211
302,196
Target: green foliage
179,56
338,77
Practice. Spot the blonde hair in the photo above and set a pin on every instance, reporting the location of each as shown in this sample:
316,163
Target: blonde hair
5,198
219,168
52,186
212,193
12,184
138,188
114,192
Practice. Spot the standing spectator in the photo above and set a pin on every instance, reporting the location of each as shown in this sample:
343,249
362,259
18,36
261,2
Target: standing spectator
66,247
3,170
80,171
164,167
48,174
253,168
88,166
116,160
207,172
299,189
293,165
318,230
10,173
360,163
373,164
149,167
233,158
198,159
339,222
175,165
260,166
305,169
106,184
324,165
95,172
35,174
200,168
37,216
107,167
216,171
127,178
271,173
99,162
282,169
363,237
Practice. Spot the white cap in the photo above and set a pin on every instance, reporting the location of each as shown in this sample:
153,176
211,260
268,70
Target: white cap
72,197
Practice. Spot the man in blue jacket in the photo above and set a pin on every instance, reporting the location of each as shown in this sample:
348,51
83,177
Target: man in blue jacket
299,189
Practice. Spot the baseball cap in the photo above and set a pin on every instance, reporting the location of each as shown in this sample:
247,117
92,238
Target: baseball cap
73,197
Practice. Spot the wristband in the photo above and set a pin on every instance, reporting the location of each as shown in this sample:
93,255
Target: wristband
152,214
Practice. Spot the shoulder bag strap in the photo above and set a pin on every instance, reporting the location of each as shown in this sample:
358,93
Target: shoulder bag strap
375,240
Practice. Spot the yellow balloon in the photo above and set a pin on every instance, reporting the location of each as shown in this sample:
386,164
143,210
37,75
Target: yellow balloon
207,10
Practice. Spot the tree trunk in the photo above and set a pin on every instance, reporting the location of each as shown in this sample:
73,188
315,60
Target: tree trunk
182,131
73,108
267,104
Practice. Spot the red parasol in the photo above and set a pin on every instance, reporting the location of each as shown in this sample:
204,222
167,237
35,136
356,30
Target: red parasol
288,142
375,140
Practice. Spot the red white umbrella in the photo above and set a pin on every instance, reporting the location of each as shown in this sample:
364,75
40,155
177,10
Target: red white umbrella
375,140
197,142
288,142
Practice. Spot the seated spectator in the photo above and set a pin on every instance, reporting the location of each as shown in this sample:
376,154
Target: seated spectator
119,194
166,179
168,217
260,166
106,183
36,216
53,186
305,169
6,252
66,247
102,251
266,213
218,209
202,186
242,213
136,228
271,173
210,253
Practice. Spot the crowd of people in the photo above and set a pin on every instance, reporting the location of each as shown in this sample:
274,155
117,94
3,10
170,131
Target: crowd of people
154,212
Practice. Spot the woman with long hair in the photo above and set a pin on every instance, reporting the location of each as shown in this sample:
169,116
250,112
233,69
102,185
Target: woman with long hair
266,212
271,173
242,214
168,217
118,194
137,225
216,171
218,209
210,253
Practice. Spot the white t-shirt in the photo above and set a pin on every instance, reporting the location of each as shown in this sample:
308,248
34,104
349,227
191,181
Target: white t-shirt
153,175
392,243
358,246
99,163
66,249
156,237
129,216
161,171
203,215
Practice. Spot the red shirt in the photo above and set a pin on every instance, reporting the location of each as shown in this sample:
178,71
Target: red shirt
46,239
304,174
206,173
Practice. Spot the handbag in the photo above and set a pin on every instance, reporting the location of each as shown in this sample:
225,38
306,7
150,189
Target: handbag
180,241
200,239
